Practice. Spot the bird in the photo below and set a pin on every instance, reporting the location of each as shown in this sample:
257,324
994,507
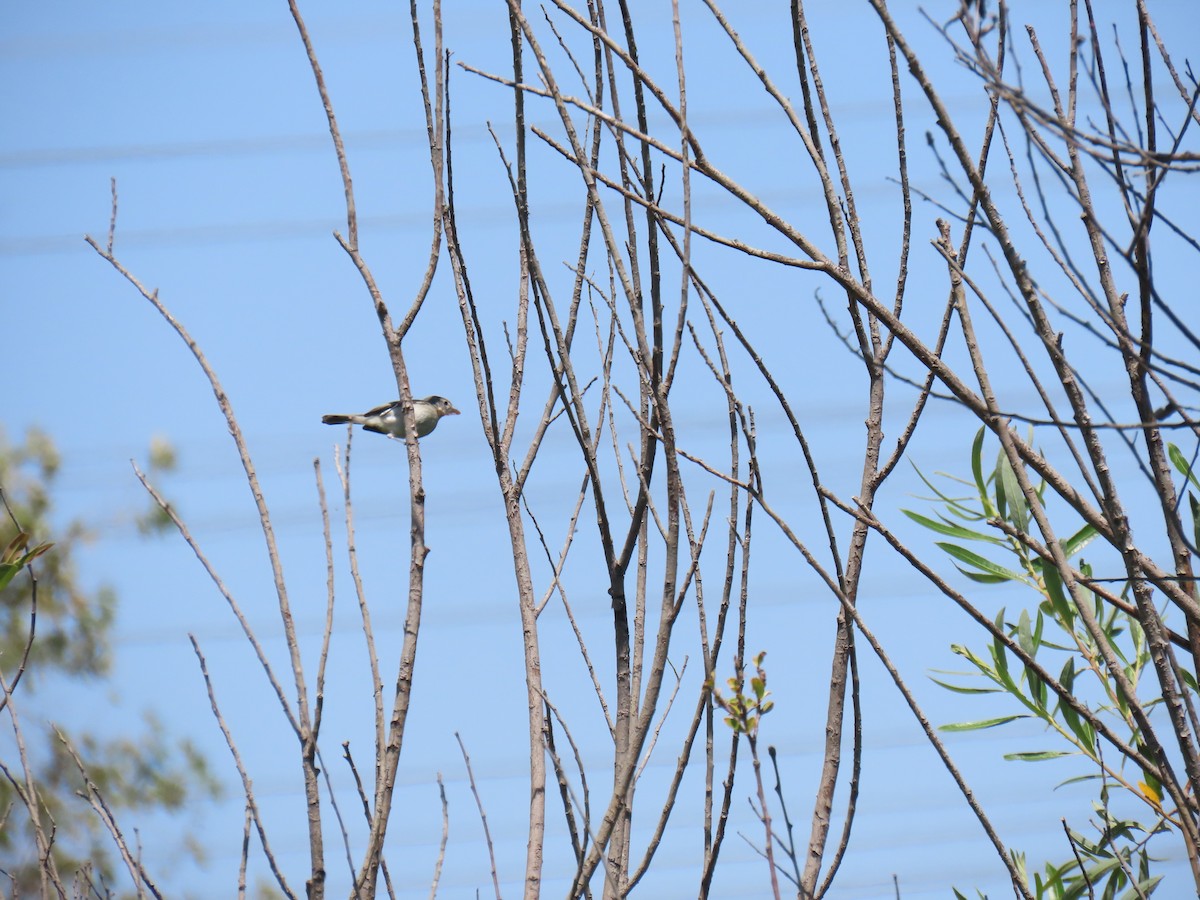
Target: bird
389,418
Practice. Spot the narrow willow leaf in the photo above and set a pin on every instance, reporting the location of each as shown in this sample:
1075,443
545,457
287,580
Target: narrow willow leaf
1000,677
1058,597
1037,755
15,547
8,571
1039,625
981,724
956,531
1188,678
1102,868
1086,734
995,570
1067,676
1018,507
999,651
1037,690
1144,887
1150,793
1000,487
1181,463
1080,539
977,468
15,557
1025,635
1151,784
960,689
1195,507
955,503
1018,860
1080,727
980,578
1054,881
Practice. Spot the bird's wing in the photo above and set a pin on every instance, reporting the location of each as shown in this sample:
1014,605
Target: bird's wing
382,408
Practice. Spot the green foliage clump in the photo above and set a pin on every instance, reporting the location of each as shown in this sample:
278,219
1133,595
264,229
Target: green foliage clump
52,626
1050,662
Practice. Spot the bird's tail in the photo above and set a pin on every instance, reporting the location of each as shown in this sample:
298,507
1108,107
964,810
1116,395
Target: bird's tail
339,419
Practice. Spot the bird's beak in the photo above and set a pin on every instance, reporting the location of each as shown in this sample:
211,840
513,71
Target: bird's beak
452,412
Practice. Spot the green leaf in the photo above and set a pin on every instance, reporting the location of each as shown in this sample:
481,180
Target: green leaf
1078,779
1080,727
977,469
989,568
1181,463
1080,539
1058,597
1188,678
999,651
1067,676
1053,882
1037,755
956,531
1018,859
1153,783
14,557
952,502
15,547
1194,504
1144,888
960,689
1037,689
1008,487
7,572
1025,634
980,578
1102,868
980,724
15,553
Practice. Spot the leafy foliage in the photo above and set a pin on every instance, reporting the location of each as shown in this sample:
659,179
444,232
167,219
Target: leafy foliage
744,711
1051,637
144,771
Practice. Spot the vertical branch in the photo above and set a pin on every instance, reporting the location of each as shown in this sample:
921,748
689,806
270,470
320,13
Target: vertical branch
301,721
91,792
327,632
364,609
252,810
25,787
487,834
499,440
335,133
33,601
387,761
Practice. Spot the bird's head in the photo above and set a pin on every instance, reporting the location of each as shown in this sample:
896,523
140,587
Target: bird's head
441,405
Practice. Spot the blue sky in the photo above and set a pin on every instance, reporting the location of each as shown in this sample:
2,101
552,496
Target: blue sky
207,116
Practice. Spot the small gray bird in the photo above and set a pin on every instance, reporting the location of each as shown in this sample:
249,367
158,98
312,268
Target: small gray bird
388,419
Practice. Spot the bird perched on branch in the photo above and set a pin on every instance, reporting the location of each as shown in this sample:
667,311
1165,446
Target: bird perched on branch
389,419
